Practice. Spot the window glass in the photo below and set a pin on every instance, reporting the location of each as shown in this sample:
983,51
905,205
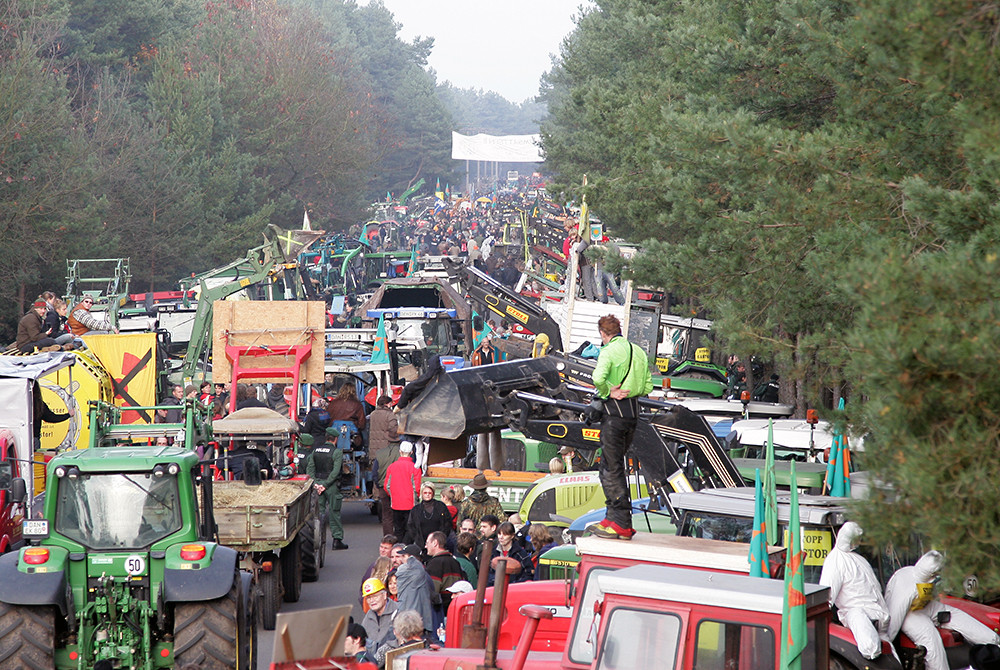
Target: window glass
581,648
718,527
118,511
640,639
725,645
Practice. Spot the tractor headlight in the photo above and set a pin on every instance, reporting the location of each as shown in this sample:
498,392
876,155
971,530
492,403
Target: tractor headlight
173,469
60,472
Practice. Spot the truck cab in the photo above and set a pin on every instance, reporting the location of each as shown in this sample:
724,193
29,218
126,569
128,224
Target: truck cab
654,616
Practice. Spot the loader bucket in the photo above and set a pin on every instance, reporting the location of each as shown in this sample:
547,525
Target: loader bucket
469,401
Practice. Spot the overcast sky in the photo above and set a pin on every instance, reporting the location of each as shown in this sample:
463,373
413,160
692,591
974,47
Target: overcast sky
495,45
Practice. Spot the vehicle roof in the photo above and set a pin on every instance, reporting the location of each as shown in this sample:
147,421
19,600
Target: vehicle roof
128,459
813,510
732,408
673,549
791,434
702,587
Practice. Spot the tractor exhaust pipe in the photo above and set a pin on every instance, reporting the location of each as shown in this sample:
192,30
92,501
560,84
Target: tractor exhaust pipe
496,615
474,634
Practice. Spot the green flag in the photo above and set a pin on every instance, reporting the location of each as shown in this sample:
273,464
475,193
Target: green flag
478,337
758,541
380,348
838,470
794,632
412,267
770,489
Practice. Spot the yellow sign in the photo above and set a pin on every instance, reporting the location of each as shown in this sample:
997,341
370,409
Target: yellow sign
662,363
702,355
592,434
73,387
925,593
517,314
131,362
817,544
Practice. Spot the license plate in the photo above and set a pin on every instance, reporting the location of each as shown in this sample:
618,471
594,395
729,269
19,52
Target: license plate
35,528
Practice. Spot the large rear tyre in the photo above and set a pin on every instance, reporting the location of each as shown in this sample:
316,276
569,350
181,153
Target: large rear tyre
27,637
291,570
310,545
248,625
324,526
269,587
209,634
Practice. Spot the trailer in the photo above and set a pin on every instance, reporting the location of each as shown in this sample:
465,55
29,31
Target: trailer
274,524
266,524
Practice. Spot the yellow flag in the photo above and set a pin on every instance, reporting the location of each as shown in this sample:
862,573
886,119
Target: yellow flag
131,362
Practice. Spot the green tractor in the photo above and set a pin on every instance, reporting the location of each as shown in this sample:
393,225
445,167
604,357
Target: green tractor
122,568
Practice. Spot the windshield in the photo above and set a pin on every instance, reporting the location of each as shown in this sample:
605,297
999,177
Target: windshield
118,511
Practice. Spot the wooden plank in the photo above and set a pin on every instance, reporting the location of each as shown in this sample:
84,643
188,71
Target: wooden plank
468,473
261,322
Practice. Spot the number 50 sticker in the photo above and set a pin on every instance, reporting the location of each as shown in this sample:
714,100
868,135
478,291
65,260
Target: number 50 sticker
135,565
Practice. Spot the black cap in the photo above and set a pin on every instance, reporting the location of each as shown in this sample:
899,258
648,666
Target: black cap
412,550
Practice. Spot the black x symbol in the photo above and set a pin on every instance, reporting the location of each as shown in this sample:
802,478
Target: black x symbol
119,386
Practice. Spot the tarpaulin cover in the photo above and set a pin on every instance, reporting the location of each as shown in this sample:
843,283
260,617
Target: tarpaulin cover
255,421
33,367
500,148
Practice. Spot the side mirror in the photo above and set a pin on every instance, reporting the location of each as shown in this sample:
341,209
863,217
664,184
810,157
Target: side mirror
18,491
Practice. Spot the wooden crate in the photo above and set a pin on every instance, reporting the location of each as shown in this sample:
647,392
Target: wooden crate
263,322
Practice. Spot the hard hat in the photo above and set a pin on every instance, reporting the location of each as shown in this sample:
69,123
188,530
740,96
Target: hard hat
372,586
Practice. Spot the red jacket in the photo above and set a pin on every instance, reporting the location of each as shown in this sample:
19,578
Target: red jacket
402,481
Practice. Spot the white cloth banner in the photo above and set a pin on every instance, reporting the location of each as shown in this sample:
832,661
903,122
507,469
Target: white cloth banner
499,148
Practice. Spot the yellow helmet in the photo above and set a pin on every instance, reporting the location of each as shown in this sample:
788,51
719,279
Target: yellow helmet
372,586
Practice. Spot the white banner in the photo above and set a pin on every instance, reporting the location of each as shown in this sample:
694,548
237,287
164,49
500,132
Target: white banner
499,148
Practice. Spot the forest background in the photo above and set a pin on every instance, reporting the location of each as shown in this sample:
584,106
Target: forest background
173,131
821,177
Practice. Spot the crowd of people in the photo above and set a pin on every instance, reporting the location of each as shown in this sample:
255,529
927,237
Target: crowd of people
50,325
408,588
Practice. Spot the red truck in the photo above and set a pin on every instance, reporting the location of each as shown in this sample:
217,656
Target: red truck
654,616
562,597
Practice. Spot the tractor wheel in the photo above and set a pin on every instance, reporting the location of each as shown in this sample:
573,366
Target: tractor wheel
248,628
27,637
291,570
269,586
324,526
310,544
208,634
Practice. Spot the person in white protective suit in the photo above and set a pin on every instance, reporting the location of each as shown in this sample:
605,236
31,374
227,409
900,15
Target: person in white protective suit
856,593
914,610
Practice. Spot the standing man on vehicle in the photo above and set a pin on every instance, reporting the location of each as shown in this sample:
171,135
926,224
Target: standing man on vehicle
620,378
324,465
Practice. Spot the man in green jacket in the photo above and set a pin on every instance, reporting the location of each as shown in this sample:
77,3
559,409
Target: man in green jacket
621,377
324,465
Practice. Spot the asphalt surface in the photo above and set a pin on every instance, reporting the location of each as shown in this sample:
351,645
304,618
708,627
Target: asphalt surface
340,578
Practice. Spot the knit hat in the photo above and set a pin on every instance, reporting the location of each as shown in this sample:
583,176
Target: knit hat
39,303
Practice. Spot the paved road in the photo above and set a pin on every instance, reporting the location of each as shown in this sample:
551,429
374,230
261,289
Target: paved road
340,578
